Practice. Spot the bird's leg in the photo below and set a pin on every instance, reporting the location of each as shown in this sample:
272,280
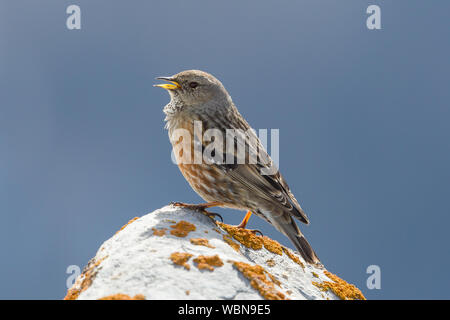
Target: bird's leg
244,222
201,207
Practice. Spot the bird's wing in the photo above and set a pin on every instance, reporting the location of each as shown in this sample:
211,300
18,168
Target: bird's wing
271,187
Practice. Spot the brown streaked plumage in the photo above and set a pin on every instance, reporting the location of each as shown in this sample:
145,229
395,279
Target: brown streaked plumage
198,96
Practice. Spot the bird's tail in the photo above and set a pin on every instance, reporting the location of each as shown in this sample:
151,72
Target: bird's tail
304,248
291,230
284,223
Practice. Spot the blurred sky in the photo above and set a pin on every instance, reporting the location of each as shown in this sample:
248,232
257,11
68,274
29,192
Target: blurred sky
363,118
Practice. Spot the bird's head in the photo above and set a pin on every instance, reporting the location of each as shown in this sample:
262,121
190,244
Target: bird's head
195,88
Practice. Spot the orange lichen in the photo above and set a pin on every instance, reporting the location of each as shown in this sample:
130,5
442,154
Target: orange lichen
260,280
341,288
249,239
274,280
272,245
187,292
270,262
72,294
182,229
121,296
208,262
244,236
87,276
315,274
230,242
181,259
201,242
293,257
129,222
159,232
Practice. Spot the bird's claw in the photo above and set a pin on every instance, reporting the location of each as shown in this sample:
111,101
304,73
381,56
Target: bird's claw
212,215
199,208
255,231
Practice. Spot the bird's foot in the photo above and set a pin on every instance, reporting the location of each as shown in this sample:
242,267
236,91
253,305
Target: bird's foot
244,222
212,215
254,231
200,208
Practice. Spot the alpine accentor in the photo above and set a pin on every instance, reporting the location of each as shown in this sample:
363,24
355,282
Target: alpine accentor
223,177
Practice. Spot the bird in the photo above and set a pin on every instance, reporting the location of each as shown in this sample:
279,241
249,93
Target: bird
199,100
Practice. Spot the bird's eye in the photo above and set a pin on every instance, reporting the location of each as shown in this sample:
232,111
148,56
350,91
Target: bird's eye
193,84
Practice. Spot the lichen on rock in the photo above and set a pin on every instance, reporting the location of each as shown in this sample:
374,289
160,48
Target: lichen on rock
85,279
293,257
182,229
244,236
270,262
144,260
208,262
159,232
121,296
230,242
201,242
261,280
128,223
181,259
249,239
341,288
272,245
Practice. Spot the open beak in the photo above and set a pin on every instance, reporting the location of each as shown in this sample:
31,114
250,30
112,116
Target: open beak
168,86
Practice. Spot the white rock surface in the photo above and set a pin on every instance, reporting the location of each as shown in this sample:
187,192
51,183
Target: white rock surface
135,261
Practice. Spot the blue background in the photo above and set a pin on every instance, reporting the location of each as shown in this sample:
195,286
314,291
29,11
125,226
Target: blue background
363,118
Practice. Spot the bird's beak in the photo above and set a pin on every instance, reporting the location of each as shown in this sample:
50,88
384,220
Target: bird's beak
168,86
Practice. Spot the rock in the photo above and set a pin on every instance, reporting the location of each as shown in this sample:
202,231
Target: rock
175,253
